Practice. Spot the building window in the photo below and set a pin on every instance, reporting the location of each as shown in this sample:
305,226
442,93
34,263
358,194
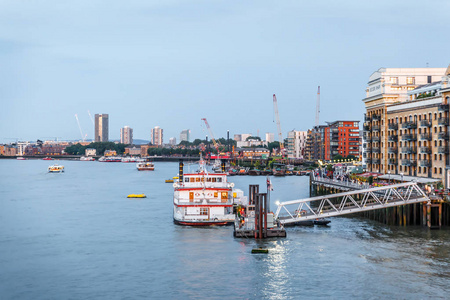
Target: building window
428,79
410,80
203,211
435,170
440,170
394,80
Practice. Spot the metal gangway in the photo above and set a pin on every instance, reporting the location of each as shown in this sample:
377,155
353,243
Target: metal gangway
349,202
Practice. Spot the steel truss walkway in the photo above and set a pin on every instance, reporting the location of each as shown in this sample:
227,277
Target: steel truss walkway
349,202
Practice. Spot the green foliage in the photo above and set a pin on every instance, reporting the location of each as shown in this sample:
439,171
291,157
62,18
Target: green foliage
370,180
338,157
76,149
273,145
351,157
100,147
257,164
329,168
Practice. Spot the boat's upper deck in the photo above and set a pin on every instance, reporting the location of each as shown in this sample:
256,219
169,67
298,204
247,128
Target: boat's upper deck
204,180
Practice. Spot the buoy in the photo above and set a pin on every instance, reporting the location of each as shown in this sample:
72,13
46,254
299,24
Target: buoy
136,196
260,250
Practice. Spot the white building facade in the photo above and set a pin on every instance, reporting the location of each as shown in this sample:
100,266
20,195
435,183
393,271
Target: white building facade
126,135
296,144
157,136
185,135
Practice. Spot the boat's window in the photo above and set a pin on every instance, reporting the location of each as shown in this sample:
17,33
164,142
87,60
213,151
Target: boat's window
203,179
204,211
208,179
224,195
219,179
192,179
186,179
214,179
197,179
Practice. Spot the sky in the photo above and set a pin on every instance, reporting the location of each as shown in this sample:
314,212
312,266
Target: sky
171,63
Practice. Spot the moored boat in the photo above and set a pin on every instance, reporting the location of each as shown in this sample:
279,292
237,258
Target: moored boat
110,159
47,158
55,169
204,199
87,158
145,166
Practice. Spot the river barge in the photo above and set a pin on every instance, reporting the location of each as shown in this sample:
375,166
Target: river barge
204,199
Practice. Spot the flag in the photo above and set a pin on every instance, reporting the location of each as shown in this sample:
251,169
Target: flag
269,184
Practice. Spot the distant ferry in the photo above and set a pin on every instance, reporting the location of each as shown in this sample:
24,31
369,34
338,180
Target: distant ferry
131,159
110,159
56,169
87,158
203,199
146,166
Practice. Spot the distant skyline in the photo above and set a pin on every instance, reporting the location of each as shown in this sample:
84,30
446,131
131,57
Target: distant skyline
171,63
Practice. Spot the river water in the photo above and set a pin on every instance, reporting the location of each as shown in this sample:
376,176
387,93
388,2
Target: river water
76,236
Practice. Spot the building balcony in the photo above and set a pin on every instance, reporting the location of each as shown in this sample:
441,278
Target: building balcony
392,161
425,123
425,163
376,128
366,128
409,137
443,121
443,135
368,160
393,126
367,119
409,150
443,107
393,150
426,136
409,125
376,117
393,138
409,163
375,138
376,150
425,150
443,149
376,161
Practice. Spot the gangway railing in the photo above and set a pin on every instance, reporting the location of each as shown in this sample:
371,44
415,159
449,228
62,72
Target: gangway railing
349,202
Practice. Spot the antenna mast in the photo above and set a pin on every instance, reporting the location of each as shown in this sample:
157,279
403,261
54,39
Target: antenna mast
318,106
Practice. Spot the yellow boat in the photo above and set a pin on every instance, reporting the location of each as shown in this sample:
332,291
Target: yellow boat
136,196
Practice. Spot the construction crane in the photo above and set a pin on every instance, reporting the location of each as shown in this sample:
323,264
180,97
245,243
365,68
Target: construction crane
79,126
212,135
277,116
90,116
318,106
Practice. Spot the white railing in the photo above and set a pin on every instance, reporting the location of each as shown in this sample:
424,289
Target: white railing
349,202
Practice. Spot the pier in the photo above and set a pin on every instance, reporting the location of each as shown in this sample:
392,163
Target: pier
424,209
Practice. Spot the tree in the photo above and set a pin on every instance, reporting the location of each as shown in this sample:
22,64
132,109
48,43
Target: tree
338,157
273,145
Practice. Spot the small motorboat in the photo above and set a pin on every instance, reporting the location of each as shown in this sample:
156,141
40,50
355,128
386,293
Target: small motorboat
56,169
145,166
321,222
47,158
136,196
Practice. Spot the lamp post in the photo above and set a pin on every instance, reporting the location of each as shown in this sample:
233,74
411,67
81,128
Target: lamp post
401,174
389,179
